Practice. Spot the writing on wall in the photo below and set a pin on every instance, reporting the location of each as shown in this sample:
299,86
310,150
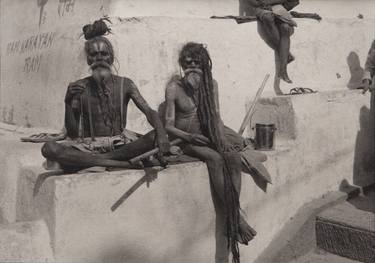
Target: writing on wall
32,63
65,7
30,46
33,43
42,13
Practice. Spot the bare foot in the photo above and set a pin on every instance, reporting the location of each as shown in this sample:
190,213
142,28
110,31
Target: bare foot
284,76
246,232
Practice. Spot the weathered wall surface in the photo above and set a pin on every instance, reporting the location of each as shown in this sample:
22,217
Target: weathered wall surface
34,64
175,8
35,78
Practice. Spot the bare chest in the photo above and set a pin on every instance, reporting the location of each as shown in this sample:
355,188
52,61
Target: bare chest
184,102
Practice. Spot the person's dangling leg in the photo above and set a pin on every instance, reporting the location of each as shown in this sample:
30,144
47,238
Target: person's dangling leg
215,166
284,52
221,251
234,164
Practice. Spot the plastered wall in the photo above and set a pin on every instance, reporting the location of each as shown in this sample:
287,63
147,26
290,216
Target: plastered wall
42,51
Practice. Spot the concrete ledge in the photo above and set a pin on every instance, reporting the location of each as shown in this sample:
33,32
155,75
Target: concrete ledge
25,242
177,210
325,127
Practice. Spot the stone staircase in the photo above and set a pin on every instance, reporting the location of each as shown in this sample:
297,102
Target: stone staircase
321,256
344,232
337,228
348,229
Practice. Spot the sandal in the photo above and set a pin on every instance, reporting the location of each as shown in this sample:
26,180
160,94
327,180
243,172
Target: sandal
300,90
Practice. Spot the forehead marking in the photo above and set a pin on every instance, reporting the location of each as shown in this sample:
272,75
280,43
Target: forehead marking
99,46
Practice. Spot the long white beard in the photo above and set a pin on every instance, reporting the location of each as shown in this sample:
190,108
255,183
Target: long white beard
193,79
101,73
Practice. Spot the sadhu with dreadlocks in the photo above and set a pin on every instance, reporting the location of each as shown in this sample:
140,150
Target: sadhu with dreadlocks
192,114
95,113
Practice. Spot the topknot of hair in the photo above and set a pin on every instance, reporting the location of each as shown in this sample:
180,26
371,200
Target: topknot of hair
98,28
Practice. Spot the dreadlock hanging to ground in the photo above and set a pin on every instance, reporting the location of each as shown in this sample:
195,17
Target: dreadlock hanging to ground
209,119
193,115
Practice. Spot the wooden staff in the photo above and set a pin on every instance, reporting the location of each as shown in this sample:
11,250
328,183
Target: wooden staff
246,19
252,107
145,155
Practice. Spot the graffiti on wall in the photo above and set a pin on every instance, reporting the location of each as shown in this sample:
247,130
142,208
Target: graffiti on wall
42,14
33,43
65,7
32,63
30,46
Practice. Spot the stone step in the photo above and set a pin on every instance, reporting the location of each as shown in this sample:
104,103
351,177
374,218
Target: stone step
25,242
348,229
321,256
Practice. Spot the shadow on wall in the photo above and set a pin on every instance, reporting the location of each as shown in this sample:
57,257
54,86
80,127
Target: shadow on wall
364,156
356,71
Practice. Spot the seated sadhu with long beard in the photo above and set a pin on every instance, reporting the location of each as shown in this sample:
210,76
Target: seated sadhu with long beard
95,111
192,114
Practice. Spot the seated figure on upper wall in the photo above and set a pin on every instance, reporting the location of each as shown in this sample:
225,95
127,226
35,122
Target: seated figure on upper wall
275,26
95,113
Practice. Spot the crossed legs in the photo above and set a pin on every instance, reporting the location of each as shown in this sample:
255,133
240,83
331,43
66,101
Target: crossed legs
276,34
73,159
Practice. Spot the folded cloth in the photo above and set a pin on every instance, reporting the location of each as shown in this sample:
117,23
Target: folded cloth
281,13
252,164
44,137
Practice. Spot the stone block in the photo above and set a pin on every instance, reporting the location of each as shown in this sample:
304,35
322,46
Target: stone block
172,220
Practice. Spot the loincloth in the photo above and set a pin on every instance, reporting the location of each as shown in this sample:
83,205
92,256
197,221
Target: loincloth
279,12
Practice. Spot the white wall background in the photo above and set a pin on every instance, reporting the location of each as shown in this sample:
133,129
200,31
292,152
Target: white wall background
32,94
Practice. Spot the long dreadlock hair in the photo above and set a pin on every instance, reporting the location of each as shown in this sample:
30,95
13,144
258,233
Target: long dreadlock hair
209,120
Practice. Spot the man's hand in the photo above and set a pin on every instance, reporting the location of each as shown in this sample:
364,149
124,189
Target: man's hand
199,139
228,147
73,91
163,143
367,86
